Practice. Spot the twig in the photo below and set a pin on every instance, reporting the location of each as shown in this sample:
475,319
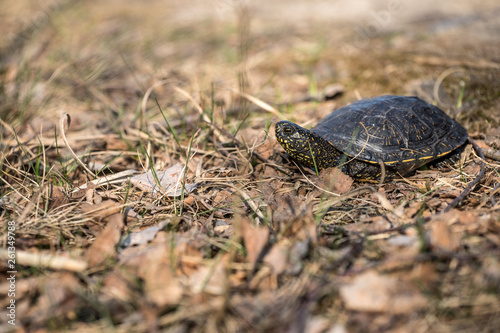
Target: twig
492,153
350,194
116,178
473,183
24,258
440,79
148,92
260,103
67,117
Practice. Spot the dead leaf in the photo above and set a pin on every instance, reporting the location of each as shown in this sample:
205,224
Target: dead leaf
441,236
468,217
59,296
116,285
333,180
482,144
269,172
143,236
132,259
170,182
104,247
426,273
56,196
317,324
373,224
189,200
161,286
222,198
221,201
101,211
373,292
211,278
224,231
264,279
189,245
266,150
152,263
284,207
255,239
114,143
277,258
301,227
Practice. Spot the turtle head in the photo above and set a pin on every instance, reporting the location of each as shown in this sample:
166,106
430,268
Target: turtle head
305,146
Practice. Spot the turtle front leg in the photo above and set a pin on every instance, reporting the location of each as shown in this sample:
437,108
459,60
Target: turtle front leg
365,170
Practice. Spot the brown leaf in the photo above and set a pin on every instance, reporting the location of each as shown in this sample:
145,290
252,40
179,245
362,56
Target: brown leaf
101,211
441,236
264,279
59,296
373,292
482,144
224,231
212,278
222,198
133,258
373,224
277,258
468,217
284,207
104,247
189,200
116,285
426,273
115,143
255,239
151,262
267,149
189,245
160,284
301,227
333,180
56,196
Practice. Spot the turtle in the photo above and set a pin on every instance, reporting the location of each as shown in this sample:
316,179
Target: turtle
401,132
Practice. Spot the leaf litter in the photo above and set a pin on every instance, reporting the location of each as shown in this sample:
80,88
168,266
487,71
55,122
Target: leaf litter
221,231
170,181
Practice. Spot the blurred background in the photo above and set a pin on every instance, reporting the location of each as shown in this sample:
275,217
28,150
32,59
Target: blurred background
90,56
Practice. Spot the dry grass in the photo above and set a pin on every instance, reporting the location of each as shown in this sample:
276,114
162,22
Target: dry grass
250,242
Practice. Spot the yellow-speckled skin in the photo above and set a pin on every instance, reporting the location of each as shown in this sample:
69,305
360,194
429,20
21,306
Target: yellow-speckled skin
402,132
300,142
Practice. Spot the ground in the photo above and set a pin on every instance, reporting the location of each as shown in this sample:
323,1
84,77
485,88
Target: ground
142,188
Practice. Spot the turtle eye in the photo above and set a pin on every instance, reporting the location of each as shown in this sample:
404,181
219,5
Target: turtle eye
287,130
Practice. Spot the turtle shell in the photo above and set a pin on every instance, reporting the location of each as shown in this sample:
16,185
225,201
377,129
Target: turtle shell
402,132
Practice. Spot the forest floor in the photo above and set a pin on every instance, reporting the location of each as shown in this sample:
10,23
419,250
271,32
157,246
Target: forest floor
100,102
